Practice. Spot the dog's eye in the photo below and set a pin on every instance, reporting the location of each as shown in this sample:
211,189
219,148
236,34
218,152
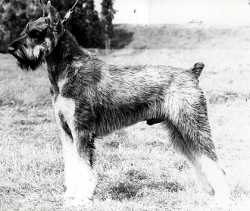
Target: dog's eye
37,34
34,33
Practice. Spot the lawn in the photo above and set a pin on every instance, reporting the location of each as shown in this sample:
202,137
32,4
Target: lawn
138,168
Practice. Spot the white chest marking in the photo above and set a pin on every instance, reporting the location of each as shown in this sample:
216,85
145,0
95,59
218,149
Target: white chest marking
61,83
66,106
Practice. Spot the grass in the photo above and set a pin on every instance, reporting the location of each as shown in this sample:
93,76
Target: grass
138,169
173,36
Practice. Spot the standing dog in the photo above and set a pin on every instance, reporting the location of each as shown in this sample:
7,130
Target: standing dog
92,99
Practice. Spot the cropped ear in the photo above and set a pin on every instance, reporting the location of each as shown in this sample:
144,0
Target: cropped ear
43,6
52,13
54,18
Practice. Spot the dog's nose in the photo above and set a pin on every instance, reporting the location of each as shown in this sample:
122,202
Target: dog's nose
11,49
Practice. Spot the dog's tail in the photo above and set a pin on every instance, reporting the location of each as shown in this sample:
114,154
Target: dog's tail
197,69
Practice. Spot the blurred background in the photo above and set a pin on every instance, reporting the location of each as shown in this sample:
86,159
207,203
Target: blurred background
97,24
219,12
89,27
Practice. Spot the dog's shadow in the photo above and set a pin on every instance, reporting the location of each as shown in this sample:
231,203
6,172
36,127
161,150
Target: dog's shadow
134,187
125,191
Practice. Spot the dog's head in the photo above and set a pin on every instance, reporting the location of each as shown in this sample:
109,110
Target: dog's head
38,39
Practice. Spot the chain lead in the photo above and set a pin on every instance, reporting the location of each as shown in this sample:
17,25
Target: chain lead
68,14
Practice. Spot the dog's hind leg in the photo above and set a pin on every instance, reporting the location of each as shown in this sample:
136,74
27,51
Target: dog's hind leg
190,133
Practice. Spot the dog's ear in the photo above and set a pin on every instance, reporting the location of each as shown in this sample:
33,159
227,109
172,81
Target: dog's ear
43,6
52,13
53,16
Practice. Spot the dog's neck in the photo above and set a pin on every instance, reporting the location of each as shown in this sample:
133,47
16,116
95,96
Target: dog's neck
66,50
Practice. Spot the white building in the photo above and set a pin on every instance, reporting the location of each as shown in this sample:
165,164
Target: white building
231,12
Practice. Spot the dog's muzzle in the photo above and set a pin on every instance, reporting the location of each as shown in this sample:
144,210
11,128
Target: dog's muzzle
11,49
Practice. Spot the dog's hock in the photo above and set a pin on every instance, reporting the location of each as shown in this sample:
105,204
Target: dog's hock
213,179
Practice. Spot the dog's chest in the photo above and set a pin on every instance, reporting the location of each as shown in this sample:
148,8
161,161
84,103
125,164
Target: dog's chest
64,106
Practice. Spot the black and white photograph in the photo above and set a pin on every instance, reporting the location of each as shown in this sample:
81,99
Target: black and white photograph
124,105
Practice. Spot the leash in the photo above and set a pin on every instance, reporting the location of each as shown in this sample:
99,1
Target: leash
71,10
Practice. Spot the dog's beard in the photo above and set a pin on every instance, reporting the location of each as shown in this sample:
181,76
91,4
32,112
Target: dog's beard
27,63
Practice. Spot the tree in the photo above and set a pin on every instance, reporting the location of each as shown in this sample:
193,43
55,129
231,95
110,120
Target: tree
84,24
94,28
107,20
13,17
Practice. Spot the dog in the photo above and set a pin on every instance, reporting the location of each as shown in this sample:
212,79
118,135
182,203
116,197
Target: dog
92,99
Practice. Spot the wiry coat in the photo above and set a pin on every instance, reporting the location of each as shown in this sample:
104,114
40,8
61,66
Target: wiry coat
109,97
92,99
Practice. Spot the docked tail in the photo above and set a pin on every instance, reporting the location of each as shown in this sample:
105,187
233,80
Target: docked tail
197,69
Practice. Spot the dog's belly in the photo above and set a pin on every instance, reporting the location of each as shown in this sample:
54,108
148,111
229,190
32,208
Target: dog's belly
108,120
109,125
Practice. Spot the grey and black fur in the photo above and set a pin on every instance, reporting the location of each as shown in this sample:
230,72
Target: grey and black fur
92,99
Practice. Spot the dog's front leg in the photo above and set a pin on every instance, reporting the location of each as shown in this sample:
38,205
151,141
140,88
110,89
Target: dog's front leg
80,178
78,150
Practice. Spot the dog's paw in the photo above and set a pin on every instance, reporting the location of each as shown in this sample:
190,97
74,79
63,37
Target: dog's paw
78,201
73,202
